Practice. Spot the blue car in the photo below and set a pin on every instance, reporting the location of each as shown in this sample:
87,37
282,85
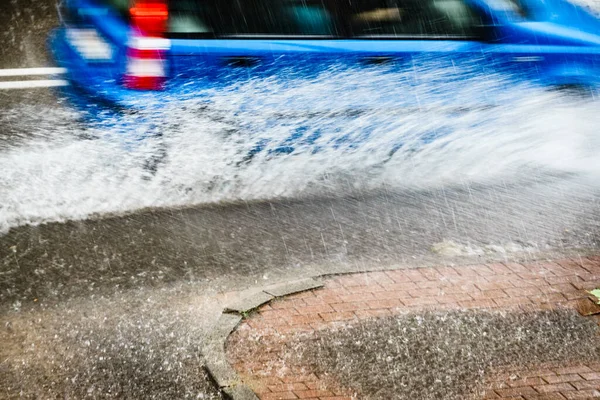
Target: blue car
131,53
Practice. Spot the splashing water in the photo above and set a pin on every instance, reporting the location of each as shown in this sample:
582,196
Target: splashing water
270,137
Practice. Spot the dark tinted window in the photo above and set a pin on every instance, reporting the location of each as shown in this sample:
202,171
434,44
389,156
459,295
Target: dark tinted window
122,6
250,17
446,18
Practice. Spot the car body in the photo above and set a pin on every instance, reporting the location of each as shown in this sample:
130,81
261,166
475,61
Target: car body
124,59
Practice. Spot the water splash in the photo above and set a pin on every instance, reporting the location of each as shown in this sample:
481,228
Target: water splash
276,136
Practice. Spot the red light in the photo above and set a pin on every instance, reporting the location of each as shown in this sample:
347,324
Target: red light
147,62
144,82
150,17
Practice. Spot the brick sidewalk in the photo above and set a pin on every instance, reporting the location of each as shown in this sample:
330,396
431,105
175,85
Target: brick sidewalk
532,286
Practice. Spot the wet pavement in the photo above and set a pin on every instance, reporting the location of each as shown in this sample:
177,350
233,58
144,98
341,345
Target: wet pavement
25,26
116,303
240,244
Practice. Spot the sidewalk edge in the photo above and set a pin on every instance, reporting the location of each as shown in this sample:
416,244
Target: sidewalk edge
216,364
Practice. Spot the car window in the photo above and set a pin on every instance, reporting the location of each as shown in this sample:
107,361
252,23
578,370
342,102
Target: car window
250,18
121,6
412,18
514,6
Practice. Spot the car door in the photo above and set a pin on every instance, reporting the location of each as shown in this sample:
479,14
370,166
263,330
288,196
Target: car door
426,43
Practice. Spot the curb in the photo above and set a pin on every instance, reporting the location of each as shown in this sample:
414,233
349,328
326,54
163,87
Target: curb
216,364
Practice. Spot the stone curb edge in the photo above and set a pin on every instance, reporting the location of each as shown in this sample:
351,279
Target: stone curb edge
216,364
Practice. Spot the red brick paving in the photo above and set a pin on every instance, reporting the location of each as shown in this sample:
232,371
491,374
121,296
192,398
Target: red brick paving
531,286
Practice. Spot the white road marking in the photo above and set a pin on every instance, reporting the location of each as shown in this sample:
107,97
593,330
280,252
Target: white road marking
33,84
31,71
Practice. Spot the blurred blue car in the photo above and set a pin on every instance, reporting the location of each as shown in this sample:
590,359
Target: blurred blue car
131,52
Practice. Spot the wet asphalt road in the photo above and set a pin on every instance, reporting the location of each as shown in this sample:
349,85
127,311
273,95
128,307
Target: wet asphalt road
116,306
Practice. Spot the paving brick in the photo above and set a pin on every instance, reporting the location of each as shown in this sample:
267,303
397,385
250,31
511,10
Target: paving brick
434,284
562,378
494,285
277,314
396,294
572,266
522,283
356,290
582,395
380,277
548,298
482,303
502,278
517,268
357,297
431,274
518,391
400,286
467,271
338,316
553,280
536,372
558,387
323,298
353,306
299,378
425,292
446,271
499,269
578,369
376,313
287,387
531,381
349,281
580,385
489,294
590,376
461,288
336,398
533,276
421,301
285,303
302,295
398,276
315,301
307,394
575,295
316,385
563,288
264,325
594,366
546,396
316,309
586,285
524,291
303,320
490,395
388,303
415,275
591,277
277,396
453,298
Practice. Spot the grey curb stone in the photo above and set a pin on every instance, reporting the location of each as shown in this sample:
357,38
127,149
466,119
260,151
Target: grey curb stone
294,287
239,392
249,303
224,326
221,371
216,363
